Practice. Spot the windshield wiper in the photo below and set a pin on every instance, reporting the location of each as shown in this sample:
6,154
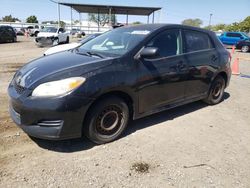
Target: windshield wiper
95,54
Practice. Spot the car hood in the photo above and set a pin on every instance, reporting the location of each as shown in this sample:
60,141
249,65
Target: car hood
58,66
61,48
46,34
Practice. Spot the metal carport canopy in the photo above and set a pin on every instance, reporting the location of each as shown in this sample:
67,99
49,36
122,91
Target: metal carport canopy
103,9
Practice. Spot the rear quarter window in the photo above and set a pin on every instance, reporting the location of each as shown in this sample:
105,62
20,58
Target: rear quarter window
196,41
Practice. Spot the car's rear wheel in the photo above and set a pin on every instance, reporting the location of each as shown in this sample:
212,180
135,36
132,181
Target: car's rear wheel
106,120
245,49
216,91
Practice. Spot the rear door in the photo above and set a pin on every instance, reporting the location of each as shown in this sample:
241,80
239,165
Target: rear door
203,61
162,79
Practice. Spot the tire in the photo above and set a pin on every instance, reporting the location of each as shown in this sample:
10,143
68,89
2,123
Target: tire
67,41
106,120
36,33
56,42
216,91
245,49
13,40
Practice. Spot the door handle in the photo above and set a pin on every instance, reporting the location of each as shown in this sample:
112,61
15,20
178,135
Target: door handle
214,58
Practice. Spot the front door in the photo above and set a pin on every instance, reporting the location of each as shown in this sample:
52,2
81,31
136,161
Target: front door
162,79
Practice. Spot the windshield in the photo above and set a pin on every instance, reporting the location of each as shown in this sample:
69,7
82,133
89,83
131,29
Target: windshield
117,41
49,30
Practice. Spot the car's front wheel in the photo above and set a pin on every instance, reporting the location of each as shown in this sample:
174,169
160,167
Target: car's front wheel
245,49
106,120
56,41
216,91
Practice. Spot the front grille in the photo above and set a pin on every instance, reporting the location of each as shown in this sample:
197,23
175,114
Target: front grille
19,89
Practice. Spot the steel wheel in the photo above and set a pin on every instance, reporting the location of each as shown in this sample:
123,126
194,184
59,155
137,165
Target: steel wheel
106,120
109,121
216,91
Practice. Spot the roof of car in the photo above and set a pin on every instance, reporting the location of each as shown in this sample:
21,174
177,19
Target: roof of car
153,27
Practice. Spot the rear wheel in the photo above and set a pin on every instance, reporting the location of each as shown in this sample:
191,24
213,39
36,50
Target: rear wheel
245,49
216,91
106,120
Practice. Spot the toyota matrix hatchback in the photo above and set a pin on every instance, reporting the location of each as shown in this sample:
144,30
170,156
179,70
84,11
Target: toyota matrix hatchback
127,73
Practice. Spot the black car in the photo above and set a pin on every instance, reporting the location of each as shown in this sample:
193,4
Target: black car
243,45
127,73
7,34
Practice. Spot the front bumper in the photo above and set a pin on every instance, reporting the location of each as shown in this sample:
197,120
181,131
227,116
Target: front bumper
44,41
55,118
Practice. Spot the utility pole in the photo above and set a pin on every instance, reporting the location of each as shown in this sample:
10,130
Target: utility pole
210,18
58,10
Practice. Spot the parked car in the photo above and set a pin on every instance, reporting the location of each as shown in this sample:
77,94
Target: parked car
19,31
51,36
34,30
231,38
7,34
70,46
77,32
243,45
127,73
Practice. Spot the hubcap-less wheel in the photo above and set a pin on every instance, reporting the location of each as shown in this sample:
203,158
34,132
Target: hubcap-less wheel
216,91
109,121
245,49
106,120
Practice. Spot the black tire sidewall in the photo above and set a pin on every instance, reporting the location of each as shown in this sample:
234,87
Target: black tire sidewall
90,123
210,98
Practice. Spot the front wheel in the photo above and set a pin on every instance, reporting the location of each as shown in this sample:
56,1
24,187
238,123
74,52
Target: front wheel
216,91
106,120
245,49
56,42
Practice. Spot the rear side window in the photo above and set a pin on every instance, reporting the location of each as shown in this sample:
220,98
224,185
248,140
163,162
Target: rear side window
233,35
167,42
196,41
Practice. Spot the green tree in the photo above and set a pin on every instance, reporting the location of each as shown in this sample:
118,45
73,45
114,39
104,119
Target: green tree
233,27
9,18
103,19
216,27
192,22
32,19
245,25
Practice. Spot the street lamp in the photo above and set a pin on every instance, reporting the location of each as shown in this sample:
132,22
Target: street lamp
210,18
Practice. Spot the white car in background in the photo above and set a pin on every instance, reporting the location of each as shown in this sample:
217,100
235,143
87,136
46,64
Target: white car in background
70,46
51,36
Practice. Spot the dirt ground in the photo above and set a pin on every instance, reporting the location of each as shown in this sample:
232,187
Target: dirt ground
191,146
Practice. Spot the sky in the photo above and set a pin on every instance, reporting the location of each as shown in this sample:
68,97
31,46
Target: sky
173,11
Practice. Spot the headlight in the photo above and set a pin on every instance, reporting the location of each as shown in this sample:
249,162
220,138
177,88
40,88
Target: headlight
56,88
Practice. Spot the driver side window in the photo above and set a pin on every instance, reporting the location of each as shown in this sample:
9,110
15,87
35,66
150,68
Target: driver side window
167,42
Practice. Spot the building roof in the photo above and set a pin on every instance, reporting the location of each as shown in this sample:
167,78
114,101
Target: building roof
102,9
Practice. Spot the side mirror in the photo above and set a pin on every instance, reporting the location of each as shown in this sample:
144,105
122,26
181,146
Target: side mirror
241,37
149,52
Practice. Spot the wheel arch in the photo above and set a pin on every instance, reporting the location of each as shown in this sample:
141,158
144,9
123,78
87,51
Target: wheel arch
128,99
